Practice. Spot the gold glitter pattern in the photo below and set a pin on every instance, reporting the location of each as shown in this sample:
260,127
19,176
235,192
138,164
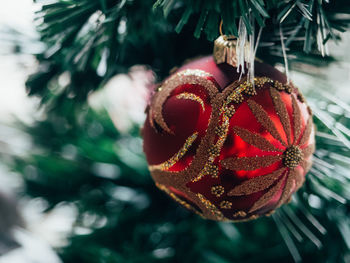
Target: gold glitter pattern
236,98
220,130
217,190
254,139
173,160
296,120
268,196
209,169
249,89
211,207
191,96
240,214
306,135
292,156
236,93
256,184
281,87
250,163
177,199
189,76
282,112
214,150
301,97
264,119
261,81
225,204
229,111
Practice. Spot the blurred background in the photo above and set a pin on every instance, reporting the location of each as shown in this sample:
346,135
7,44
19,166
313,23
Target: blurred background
74,184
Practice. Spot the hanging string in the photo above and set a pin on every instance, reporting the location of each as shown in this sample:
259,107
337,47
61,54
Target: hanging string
284,55
220,27
251,53
258,40
245,47
242,36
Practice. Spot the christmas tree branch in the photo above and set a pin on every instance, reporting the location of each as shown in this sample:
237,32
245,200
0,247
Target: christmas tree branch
319,19
94,40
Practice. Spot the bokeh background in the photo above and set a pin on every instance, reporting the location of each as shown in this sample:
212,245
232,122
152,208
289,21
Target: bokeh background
111,212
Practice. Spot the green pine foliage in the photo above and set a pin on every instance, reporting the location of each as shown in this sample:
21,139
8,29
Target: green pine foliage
94,40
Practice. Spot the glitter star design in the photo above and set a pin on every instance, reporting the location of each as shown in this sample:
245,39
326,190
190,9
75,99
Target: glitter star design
292,153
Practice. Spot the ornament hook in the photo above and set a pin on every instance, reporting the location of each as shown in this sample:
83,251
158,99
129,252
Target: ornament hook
220,27
225,48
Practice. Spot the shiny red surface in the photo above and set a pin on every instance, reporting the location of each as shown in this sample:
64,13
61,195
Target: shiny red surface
185,117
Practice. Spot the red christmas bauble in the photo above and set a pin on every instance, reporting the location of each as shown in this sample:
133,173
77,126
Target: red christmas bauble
225,148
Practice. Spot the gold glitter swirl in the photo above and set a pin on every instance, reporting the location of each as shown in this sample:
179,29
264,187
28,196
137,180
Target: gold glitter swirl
249,89
282,87
214,151
211,207
209,169
226,103
226,204
236,98
260,82
177,199
221,131
189,76
169,163
217,190
191,96
292,155
229,111
240,214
